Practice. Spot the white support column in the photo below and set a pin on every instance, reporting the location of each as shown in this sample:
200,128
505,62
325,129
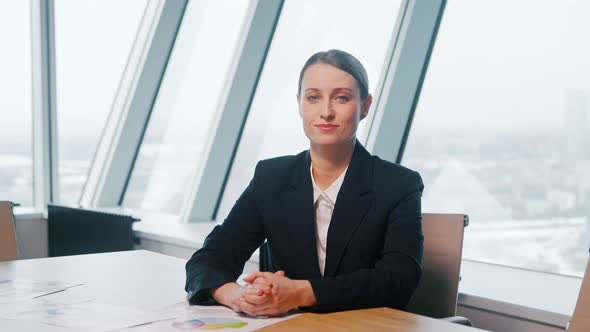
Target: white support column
404,79
203,201
44,105
133,103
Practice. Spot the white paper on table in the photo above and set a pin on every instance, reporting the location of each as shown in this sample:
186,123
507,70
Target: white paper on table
14,290
211,317
23,325
88,315
8,310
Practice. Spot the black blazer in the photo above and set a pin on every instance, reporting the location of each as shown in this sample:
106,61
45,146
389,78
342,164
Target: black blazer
375,242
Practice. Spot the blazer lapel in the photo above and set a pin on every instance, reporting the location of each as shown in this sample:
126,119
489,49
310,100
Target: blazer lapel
351,206
297,211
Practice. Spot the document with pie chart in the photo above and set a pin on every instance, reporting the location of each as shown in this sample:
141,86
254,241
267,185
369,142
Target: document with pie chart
202,318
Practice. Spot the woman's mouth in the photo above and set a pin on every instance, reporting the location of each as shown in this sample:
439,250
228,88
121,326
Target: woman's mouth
326,127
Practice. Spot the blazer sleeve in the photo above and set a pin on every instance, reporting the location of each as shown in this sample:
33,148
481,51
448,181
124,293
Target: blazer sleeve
395,275
226,248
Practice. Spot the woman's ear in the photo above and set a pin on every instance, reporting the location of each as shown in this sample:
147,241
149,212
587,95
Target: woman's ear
366,106
299,105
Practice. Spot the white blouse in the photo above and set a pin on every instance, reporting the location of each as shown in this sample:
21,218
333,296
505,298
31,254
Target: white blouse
323,203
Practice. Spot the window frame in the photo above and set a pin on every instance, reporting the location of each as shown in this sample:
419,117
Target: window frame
116,153
404,79
45,148
203,200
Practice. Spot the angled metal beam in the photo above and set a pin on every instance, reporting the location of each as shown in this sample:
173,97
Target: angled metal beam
133,103
44,105
202,203
378,91
404,79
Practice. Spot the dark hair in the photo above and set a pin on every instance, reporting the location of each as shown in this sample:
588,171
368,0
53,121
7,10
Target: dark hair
343,61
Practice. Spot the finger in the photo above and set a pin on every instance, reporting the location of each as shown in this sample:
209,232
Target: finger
246,307
268,279
252,295
235,307
256,310
251,290
263,284
255,275
256,299
280,273
253,309
267,311
250,278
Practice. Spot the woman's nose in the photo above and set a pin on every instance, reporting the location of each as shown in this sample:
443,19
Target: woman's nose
327,112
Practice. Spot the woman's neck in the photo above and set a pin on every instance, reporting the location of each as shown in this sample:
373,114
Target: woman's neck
329,161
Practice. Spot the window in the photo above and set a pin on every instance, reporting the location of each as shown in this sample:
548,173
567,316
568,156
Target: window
93,39
501,131
273,127
16,155
187,105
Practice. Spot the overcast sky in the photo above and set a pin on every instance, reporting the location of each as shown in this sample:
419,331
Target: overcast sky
507,64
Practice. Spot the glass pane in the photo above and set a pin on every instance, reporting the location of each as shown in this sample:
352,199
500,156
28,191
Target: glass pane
501,132
93,39
16,155
187,105
273,127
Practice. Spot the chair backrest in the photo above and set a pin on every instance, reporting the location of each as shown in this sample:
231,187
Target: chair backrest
8,244
436,294
581,319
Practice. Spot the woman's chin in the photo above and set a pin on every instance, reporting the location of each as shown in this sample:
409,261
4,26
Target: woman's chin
328,141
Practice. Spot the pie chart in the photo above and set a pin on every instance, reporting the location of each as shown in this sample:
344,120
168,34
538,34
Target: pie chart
209,323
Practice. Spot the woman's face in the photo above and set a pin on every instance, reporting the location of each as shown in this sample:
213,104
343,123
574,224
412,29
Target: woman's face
330,105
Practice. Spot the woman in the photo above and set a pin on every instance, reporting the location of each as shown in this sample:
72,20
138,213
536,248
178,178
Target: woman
343,227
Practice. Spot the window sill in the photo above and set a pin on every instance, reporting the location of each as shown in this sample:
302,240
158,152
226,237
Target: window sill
188,235
541,297
166,228
28,212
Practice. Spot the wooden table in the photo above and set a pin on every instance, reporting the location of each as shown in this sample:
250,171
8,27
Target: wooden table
147,280
378,319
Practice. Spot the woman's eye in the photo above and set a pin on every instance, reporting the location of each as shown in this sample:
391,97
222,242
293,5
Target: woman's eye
342,98
312,98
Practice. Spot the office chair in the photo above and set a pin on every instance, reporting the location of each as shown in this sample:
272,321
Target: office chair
437,292
8,242
581,319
